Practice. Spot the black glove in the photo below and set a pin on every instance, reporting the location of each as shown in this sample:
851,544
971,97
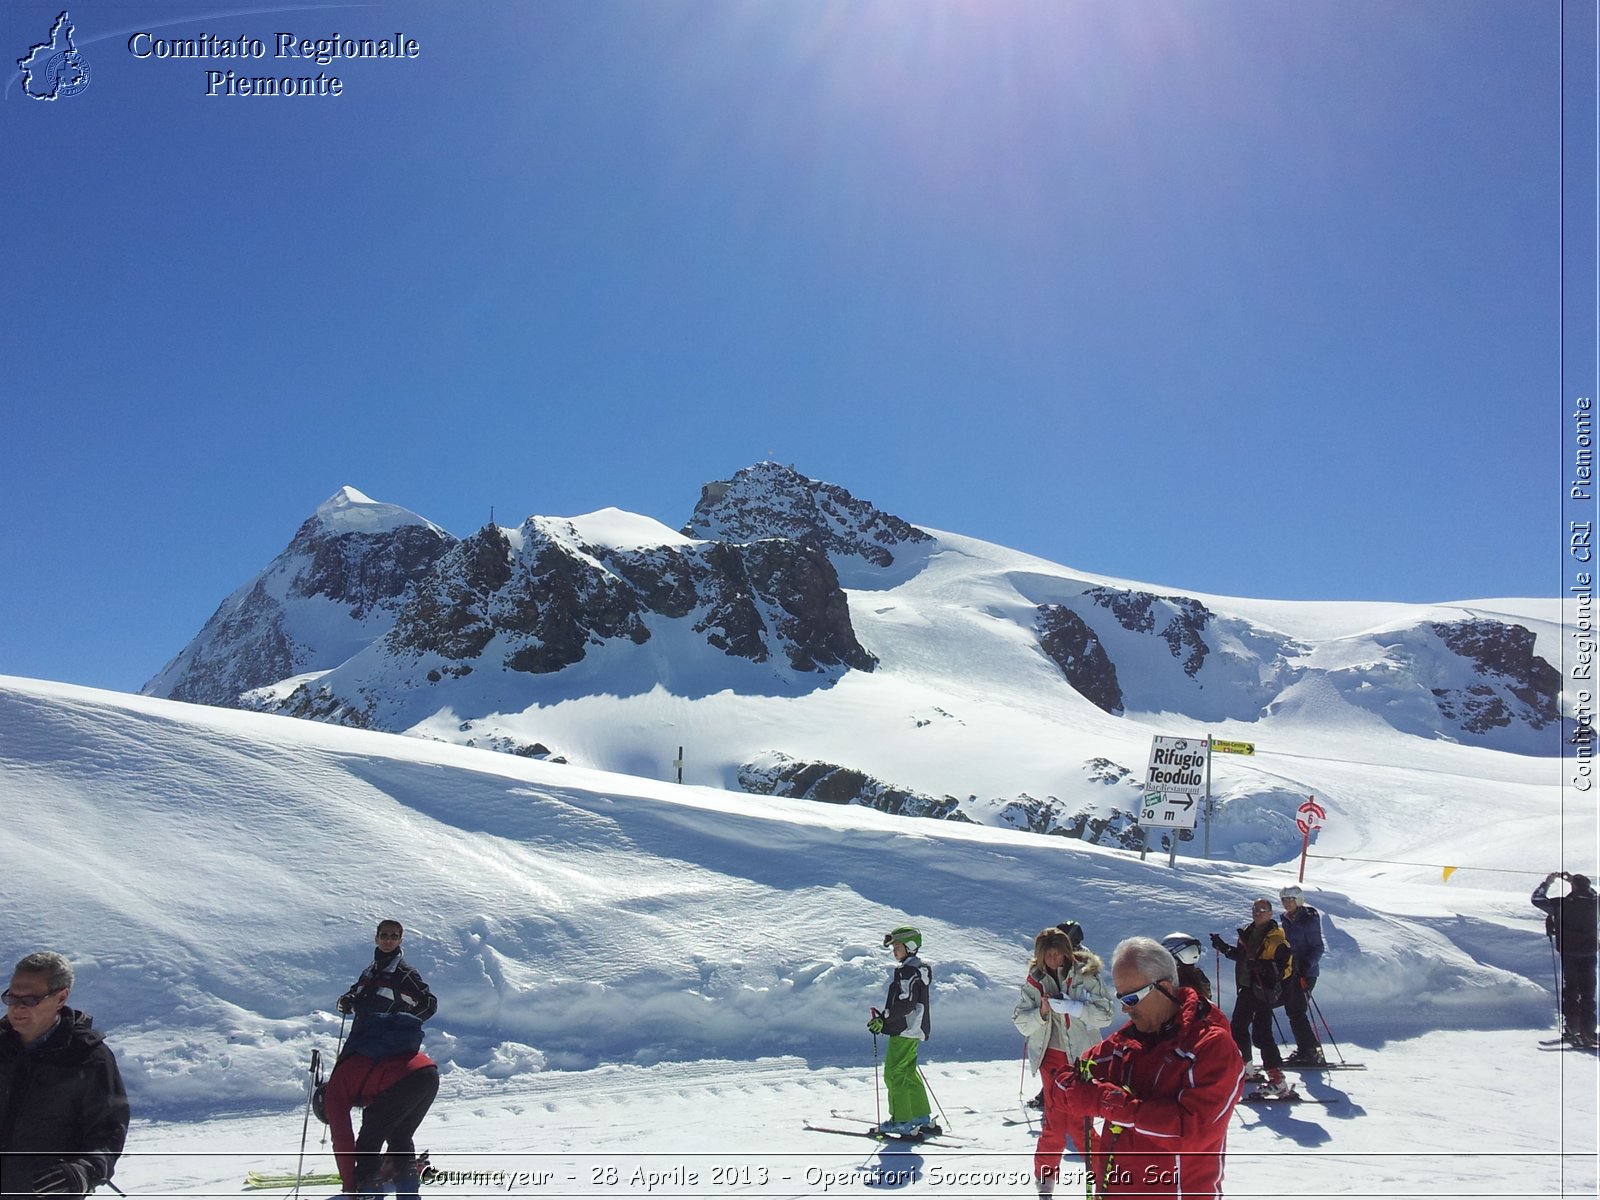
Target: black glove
63,1179
346,1003
1216,940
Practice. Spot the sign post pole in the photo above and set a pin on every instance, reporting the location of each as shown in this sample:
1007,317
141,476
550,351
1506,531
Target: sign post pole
1215,746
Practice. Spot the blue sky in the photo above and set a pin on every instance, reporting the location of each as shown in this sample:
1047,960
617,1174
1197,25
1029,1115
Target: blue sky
1241,297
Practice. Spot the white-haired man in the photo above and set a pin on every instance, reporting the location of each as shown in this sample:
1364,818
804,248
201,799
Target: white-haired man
1163,1087
63,1109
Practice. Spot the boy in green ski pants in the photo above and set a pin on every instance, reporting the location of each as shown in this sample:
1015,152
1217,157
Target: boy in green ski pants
905,1019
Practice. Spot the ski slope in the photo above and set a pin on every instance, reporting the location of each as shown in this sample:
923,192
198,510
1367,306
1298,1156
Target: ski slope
636,972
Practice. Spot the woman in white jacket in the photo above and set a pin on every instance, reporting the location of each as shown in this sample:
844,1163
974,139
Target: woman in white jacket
1063,1007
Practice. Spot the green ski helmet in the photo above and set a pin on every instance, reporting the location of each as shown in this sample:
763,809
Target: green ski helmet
908,937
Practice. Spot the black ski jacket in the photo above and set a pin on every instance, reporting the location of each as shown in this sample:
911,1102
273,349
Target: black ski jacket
390,1002
1573,918
61,1102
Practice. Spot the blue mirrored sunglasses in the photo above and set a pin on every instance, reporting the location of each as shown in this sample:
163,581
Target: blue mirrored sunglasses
1129,999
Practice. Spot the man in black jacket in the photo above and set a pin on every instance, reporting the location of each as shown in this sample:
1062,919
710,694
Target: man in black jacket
1572,922
63,1110
390,1000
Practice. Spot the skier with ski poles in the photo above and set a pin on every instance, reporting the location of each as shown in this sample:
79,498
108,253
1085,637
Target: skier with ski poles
63,1109
383,1071
1262,962
1573,921
905,1018
1164,1085
1063,1006
1302,925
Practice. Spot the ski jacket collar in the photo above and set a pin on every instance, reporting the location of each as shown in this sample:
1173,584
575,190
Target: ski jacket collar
384,961
73,1033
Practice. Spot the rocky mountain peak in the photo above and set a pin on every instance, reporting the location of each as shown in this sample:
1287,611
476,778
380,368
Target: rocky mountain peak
769,500
334,590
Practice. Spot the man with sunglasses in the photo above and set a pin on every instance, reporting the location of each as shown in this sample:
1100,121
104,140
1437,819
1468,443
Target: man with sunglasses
1162,1087
63,1109
383,1071
1262,965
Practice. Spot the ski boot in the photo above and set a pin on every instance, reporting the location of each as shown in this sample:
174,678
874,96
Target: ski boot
1276,1087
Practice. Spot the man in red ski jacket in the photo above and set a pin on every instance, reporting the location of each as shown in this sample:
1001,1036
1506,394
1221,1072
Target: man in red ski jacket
1164,1085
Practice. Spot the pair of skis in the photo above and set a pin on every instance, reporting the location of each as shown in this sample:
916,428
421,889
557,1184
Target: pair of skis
265,1181
1289,1097
872,1131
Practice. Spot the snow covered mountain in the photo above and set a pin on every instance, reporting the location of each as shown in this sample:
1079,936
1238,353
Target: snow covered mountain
977,683
333,590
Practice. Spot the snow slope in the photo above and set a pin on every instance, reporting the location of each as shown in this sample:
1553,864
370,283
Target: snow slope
629,967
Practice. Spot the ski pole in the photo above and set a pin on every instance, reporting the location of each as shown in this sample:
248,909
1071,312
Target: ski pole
1088,1158
936,1103
1324,1020
1022,1087
1555,973
338,1053
877,1097
305,1123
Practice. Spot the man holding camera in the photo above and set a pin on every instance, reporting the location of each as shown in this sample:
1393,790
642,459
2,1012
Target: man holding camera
1571,921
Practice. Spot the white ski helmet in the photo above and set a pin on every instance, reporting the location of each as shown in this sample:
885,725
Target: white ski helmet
1293,892
1183,947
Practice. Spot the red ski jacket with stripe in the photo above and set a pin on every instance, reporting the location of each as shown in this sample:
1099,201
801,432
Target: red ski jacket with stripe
1165,1099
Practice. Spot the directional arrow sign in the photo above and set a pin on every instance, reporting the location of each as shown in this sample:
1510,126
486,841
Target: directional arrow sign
1169,810
1233,747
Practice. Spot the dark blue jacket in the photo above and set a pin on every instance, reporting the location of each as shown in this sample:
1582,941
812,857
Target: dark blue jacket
390,1002
1303,928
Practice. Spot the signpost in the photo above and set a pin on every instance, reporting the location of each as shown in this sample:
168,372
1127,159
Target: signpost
1308,816
1177,786
1177,772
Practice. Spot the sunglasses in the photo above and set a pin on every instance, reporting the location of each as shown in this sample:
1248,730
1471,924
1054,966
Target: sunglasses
1129,999
17,1000
388,935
